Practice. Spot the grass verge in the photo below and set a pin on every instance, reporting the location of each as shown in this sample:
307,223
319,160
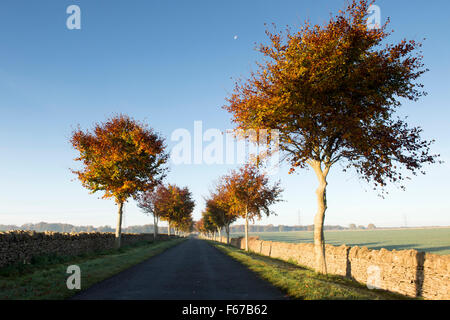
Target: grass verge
302,283
45,278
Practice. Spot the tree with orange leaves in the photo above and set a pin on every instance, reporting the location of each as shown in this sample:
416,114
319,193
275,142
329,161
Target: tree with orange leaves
147,202
220,209
186,225
204,226
174,205
200,226
249,194
332,92
121,157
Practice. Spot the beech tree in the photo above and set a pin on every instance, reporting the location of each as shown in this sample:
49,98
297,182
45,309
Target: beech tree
185,224
204,226
214,220
207,224
220,206
174,205
147,202
332,91
199,226
249,194
121,157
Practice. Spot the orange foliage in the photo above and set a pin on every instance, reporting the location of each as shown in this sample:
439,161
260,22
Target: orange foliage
121,157
174,205
332,92
248,190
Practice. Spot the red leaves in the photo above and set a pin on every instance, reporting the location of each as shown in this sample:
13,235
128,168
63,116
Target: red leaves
249,190
220,210
245,190
120,157
332,92
174,205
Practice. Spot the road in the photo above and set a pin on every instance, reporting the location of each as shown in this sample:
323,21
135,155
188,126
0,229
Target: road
192,270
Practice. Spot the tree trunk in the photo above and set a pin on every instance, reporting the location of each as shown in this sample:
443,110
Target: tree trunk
220,235
319,240
119,227
168,229
227,229
246,229
155,228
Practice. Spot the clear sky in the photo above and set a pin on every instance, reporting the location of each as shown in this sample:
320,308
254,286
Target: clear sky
170,63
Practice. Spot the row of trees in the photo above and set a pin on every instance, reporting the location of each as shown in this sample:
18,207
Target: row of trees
353,226
282,228
126,159
169,203
245,193
332,92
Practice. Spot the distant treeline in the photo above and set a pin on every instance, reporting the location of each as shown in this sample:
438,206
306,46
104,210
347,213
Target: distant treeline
148,228
280,228
62,227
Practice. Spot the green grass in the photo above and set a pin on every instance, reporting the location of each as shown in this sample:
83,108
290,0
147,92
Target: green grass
301,283
45,278
436,240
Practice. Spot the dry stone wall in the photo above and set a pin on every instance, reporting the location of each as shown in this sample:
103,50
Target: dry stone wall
22,246
408,272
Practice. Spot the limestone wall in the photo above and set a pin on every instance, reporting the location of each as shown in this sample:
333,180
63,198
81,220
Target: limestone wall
408,272
22,246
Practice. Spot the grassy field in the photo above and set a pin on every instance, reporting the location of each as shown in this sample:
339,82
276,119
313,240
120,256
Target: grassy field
301,283
436,240
46,277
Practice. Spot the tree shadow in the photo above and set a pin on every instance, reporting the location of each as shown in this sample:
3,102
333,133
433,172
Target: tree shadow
420,273
434,249
396,247
350,243
414,246
420,260
348,267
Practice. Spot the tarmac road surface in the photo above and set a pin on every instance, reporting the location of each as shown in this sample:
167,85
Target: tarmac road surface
192,270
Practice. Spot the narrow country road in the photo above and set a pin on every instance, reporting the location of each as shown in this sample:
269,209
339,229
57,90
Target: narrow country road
192,270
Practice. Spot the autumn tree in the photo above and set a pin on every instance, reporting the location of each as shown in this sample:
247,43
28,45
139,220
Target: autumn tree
174,205
199,226
185,224
206,225
331,91
220,207
250,194
147,202
215,216
121,157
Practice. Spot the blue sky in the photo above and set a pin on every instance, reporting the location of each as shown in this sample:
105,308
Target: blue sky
171,63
